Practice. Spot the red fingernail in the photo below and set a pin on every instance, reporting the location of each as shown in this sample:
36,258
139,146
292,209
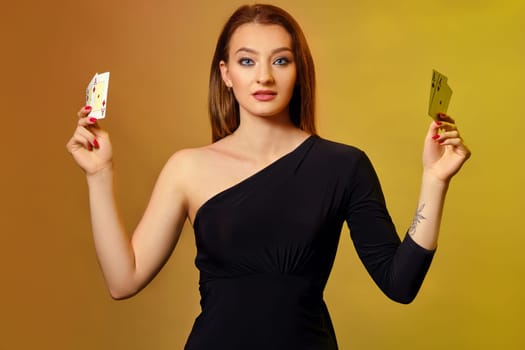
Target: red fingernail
87,108
435,137
92,119
440,142
95,143
438,123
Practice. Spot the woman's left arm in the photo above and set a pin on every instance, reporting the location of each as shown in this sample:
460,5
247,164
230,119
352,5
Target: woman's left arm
443,155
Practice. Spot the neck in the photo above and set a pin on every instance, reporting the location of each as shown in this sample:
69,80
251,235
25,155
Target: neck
267,137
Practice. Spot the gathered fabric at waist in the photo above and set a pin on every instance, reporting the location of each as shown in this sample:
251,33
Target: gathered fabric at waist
269,291
266,311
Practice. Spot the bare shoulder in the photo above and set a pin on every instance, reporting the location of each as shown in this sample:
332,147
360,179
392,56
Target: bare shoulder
190,167
201,172
187,161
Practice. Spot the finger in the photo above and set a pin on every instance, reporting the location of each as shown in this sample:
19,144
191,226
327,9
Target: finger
445,126
86,134
87,121
442,117
458,147
98,132
446,135
434,129
78,141
457,144
84,111
450,142
438,129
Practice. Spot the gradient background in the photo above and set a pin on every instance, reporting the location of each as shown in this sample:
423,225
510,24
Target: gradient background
374,61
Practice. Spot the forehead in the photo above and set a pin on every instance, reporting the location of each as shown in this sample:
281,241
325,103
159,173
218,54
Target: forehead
260,37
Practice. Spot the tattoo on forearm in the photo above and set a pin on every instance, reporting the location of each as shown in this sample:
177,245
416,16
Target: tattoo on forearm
418,217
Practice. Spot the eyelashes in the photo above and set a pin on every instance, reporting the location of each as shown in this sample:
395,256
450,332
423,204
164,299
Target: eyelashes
280,61
244,61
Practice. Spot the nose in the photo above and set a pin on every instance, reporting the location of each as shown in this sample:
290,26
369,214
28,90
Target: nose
264,75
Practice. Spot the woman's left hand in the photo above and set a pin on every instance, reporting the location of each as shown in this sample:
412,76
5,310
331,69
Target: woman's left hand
444,152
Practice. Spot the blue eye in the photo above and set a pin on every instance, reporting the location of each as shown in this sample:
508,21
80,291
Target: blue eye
246,61
281,61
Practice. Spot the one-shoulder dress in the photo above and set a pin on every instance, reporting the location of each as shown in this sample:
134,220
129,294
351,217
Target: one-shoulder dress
265,248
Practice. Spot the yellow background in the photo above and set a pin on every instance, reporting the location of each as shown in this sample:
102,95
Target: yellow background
374,61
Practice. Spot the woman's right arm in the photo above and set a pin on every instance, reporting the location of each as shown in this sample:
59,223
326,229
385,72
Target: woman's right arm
128,265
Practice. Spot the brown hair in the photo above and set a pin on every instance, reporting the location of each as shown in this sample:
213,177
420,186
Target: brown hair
222,106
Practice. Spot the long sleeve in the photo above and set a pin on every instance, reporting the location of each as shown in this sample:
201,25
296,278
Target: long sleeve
398,268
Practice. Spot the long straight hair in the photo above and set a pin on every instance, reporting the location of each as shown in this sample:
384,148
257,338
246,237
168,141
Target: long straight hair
222,106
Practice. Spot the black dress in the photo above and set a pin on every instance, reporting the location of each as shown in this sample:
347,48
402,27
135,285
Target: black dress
265,248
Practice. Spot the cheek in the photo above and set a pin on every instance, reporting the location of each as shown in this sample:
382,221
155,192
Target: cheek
292,76
237,79
291,81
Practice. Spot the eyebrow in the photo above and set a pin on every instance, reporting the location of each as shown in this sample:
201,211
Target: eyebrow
274,51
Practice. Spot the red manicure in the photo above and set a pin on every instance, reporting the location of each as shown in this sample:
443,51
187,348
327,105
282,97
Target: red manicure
87,108
95,143
435,137
438,123
92,119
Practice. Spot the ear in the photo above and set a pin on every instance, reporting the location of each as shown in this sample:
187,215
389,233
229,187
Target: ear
225,74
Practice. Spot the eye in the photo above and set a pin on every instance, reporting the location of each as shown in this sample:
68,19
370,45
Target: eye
245,61
281,61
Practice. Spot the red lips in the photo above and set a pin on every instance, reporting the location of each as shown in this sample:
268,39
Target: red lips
264,95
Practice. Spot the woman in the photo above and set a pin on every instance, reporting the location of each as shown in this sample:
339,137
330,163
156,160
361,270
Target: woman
267,199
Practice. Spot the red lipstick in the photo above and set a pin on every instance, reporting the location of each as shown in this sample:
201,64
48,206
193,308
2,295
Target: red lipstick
264,95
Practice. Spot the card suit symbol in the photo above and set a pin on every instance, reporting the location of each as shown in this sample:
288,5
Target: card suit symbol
94,89
104,103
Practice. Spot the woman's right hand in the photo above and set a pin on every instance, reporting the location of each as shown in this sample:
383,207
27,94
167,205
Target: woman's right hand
90,145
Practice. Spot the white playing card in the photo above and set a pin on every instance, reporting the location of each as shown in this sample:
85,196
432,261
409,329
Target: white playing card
97,95
440,94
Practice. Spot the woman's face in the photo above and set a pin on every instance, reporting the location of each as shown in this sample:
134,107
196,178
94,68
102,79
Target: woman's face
261,70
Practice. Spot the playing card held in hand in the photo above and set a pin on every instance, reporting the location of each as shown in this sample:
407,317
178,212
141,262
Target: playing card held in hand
440,94
97,95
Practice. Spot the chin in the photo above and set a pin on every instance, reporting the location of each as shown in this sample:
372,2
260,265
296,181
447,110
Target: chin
266,111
